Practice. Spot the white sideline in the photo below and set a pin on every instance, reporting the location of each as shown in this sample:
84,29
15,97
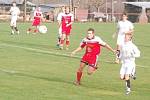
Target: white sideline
50,52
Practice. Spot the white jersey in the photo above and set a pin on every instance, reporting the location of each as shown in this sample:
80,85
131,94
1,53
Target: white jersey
14,11
124,26
128,52
59,19
14,15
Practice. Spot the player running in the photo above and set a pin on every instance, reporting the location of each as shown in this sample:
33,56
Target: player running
14,11
128,53
37,20
67,21
124,26
93,46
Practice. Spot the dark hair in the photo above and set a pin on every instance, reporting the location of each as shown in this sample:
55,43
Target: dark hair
124,13
91,29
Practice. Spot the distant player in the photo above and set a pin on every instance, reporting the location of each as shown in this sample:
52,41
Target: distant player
67,21
59,19
36,21
124,26
14,11
128,53
92,45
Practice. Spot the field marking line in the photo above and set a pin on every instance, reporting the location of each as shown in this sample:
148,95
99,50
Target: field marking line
50,52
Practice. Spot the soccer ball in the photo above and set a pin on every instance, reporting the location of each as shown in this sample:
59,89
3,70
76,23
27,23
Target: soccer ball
42,29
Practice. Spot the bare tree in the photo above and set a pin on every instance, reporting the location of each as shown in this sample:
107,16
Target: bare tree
96,3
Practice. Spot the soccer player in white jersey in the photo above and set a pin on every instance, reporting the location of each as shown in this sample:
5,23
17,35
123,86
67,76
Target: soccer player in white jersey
59,20
14,11
124,26
128,53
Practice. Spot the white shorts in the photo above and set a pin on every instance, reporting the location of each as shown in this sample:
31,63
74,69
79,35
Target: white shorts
13,21
120,39
127,68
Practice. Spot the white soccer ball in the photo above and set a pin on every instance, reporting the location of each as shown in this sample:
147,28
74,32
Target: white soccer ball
43,29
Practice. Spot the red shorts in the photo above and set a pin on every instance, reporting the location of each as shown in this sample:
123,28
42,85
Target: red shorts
36,22
66,30
90,59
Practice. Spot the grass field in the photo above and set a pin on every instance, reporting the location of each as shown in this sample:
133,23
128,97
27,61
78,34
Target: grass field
32,68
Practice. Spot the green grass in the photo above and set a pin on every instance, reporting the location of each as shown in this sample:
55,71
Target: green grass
32,68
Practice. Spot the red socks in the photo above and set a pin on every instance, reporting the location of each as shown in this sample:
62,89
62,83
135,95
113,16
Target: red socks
79,75
67,42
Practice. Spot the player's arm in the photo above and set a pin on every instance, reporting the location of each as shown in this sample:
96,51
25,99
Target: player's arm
116,33
136,51
10,11
59,23
82,45
18,11
76,50
131,29
72,20
109,48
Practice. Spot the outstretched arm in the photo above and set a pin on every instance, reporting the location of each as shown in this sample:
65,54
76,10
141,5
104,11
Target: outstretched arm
76,50
110,48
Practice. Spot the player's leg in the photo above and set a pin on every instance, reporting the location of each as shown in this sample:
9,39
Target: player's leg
59,36
79,73
117,54
15,27
92,61
128,83
12,26
133,73
129,66
31,27
36,29
67,42
62,40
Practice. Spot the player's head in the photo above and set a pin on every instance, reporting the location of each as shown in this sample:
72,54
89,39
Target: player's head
124,16
38,8
14,4
67,9
63,9
90,33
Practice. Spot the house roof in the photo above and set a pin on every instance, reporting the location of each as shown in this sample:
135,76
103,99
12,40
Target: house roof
139,4
10,1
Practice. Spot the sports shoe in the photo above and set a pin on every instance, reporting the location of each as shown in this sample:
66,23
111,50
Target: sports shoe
57,45
128,91
77,83
18,32
61,47
67,48
12,32
28,32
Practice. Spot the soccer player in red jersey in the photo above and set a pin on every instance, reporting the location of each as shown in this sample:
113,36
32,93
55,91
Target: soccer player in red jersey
67,20
37,20
93,46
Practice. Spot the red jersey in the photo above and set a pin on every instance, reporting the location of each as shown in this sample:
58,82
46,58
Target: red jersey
66,19
37,18
37,14
93,46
